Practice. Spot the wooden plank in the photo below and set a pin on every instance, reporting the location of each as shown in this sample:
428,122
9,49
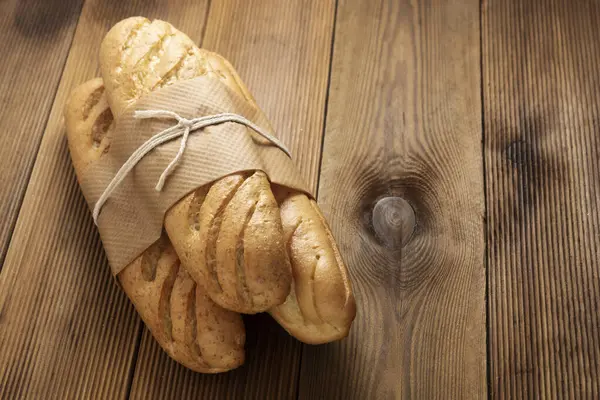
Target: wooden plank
36,36
66,330
403,141
541,80
281,50
270,371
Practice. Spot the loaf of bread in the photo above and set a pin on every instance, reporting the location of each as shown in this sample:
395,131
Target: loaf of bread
138,56
320,307
187,324
228,235
245,244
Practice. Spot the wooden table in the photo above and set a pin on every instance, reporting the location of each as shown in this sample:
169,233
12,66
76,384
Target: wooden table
481,120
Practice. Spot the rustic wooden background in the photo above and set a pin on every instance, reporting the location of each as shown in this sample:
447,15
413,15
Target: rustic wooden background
477,121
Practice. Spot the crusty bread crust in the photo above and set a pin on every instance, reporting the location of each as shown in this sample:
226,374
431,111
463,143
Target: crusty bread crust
235,247
320,307
187,324
237,238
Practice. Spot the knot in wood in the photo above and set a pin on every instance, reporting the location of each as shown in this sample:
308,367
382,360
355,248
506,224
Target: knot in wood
393,221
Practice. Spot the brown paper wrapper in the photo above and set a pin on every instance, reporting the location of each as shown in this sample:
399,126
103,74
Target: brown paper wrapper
132,218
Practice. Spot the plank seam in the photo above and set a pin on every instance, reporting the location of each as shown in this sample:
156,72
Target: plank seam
134,358
325,110
203,34
488,372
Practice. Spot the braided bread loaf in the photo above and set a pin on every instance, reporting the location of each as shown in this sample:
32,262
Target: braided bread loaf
187,324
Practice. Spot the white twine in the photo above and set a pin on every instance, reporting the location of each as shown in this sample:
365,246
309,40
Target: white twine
183,128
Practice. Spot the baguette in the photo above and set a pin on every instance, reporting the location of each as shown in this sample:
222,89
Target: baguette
187,324
228,235
203,226
320,307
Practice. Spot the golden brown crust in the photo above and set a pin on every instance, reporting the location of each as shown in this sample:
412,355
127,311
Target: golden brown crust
89,121
176,310
138,55
254,275
320,307
251,264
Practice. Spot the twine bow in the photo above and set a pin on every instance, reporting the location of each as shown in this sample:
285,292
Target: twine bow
183,128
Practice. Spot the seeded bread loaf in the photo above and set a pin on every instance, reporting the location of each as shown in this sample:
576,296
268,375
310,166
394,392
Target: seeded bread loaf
187,324
228,235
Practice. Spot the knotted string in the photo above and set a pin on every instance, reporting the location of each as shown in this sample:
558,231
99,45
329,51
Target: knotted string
183,128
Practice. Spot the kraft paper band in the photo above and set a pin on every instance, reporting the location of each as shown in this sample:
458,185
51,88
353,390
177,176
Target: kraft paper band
132,218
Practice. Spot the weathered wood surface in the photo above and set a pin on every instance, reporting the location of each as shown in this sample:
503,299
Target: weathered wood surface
35,40
400,95
404,123
541,97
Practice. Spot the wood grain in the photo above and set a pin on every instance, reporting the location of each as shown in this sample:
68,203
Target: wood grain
542,80
270,371
401,184
404,121
282,52
36,37
66,330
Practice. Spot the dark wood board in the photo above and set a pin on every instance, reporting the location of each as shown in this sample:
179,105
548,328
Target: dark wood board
541,84
402,185
36,37
413,89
